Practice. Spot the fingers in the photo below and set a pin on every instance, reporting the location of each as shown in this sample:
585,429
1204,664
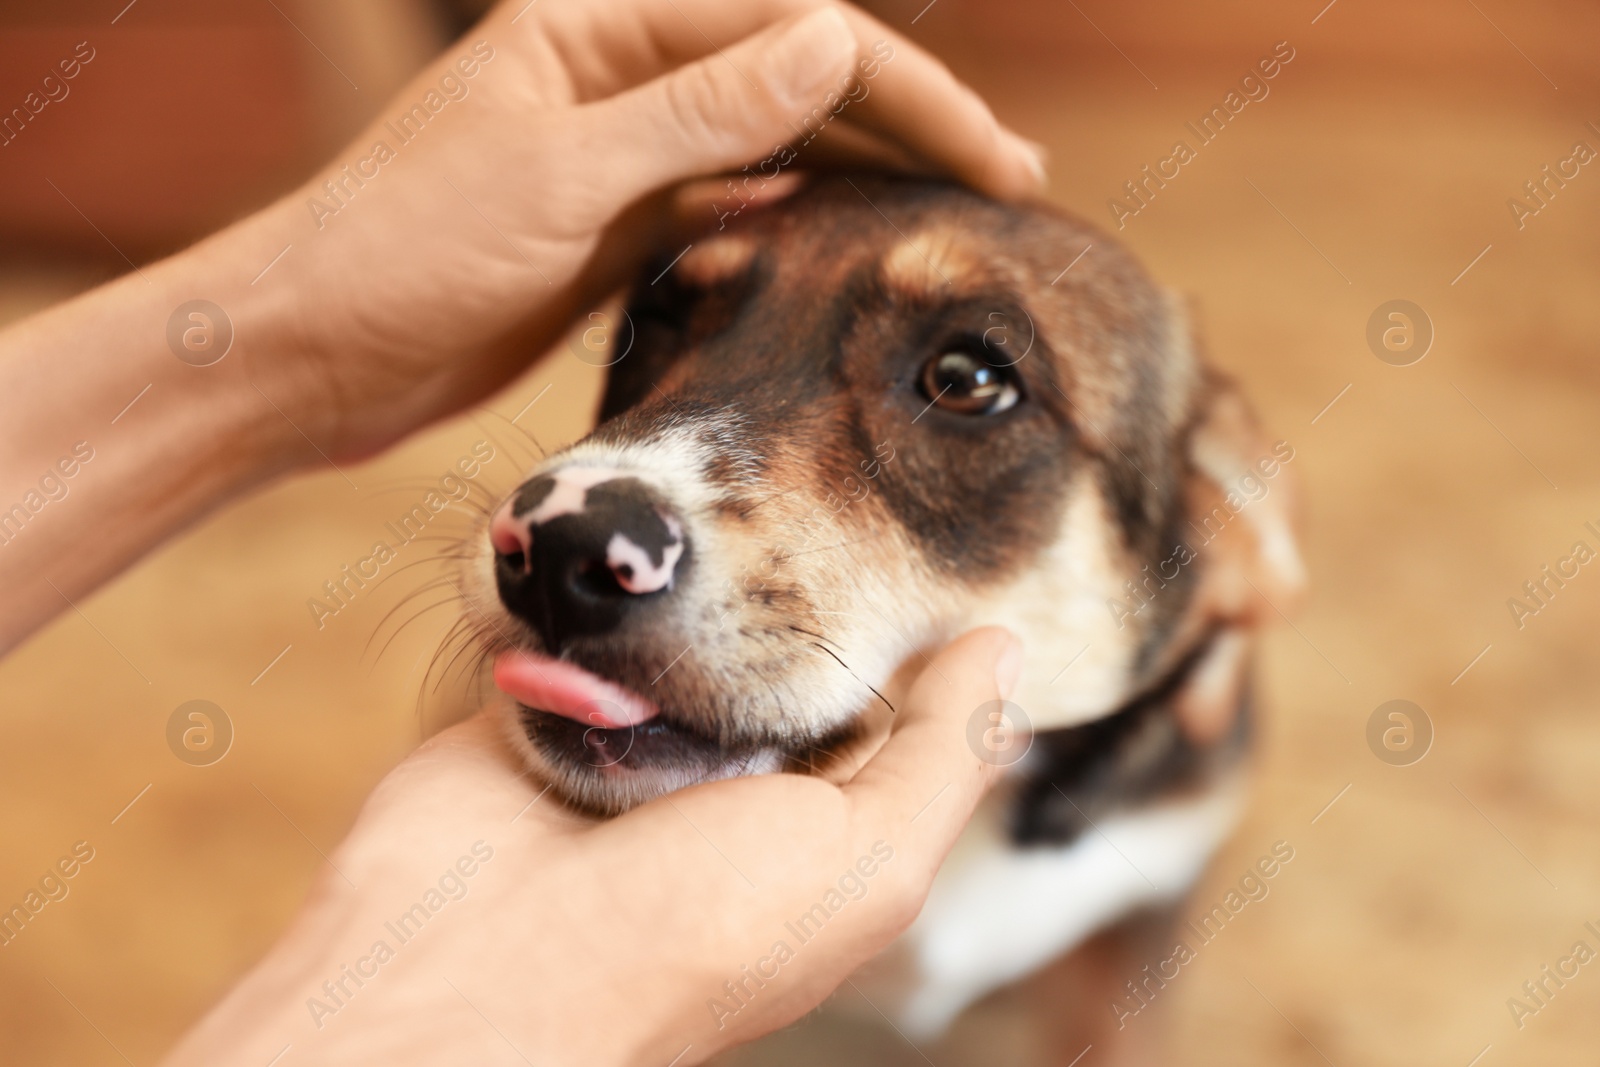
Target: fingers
914,100
900,93
725,109
471,759
844,145
919,790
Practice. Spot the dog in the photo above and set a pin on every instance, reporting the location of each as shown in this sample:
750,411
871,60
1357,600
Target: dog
845,429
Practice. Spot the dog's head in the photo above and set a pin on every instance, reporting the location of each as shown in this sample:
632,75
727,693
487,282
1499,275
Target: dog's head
837,434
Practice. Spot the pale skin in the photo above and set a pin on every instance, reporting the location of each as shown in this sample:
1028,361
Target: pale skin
520,205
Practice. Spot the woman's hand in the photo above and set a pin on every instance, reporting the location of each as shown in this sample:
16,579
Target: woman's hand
426,272
552,939
515,182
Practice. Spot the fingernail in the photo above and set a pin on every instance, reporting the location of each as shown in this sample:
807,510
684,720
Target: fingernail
1008,668
810,55
1041,155
1034,155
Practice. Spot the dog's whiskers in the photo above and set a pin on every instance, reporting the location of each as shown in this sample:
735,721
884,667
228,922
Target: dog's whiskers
458,630
786,557
426,587
466,635
747,511
402,627
519,429
381,582
817,644
475,638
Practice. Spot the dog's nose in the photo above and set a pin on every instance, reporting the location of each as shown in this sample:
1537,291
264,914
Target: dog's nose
578,549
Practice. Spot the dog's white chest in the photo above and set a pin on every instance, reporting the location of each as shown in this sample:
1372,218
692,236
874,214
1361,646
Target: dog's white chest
998,912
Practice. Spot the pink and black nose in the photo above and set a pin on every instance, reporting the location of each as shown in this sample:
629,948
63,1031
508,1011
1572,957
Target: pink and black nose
580,550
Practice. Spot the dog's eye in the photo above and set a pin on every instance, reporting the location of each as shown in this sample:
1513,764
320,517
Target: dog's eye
962,383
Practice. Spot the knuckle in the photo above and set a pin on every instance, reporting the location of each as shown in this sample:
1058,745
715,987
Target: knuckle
699,105
906,897
903,885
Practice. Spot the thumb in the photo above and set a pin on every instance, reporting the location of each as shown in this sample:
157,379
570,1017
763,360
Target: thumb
726,109
918,791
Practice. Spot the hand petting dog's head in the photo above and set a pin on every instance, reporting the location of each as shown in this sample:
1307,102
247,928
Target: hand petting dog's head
842,431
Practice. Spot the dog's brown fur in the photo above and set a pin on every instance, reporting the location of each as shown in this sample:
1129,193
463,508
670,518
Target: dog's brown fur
842,521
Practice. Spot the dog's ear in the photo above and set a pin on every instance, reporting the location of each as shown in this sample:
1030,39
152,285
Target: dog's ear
1239,500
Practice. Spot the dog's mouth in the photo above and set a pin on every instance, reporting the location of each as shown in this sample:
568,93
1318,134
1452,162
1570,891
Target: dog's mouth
587,725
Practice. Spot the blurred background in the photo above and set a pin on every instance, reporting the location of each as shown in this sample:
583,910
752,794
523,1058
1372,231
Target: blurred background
1429,882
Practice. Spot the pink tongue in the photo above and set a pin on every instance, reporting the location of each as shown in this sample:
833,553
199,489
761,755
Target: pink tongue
568,690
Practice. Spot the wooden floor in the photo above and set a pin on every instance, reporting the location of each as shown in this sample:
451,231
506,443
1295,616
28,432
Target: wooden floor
1420,898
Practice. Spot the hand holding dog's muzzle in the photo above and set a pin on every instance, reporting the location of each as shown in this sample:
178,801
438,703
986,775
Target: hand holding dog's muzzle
693,923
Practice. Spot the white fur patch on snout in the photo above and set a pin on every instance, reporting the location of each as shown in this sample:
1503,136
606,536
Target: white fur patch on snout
572,485
632,567
630,563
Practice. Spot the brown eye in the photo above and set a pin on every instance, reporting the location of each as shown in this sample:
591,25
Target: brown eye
961,383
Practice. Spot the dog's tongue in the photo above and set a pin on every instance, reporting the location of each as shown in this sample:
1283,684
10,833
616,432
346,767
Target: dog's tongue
568,690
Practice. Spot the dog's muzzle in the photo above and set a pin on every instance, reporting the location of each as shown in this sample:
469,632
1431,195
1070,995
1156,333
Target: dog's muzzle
584,554
580,550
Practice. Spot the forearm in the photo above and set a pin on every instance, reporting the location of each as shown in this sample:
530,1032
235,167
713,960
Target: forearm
109,442
305,995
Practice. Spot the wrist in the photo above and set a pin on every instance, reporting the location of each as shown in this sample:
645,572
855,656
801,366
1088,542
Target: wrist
119,403
231,331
